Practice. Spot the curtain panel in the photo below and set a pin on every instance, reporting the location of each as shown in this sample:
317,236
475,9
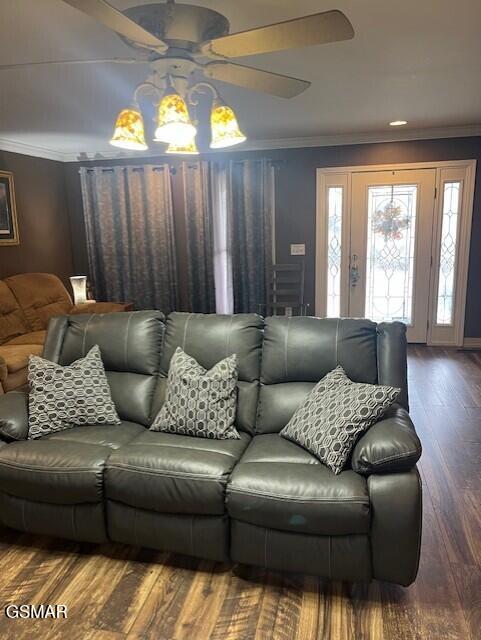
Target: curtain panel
217,242
251,206
199,231
130,235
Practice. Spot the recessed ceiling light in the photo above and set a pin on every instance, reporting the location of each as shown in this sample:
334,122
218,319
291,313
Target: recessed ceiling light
398,123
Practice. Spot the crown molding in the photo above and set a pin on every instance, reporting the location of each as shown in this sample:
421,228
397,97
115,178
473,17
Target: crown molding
345,139
31,150
255,145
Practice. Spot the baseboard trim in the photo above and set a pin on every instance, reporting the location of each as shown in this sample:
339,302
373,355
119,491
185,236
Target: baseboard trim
472,343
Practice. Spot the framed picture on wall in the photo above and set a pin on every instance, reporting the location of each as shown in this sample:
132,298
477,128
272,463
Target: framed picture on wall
8,211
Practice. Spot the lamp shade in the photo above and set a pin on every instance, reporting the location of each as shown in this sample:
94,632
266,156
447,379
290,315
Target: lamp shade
186,149
79,288
129,131
173,122
225,129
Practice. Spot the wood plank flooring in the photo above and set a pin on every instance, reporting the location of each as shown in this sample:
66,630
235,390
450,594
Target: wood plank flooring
118,592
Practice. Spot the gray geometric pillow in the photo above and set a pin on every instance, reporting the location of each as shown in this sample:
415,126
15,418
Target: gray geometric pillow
64,397
199,402
334,414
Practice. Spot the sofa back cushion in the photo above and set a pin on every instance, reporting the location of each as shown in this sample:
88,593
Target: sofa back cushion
12,320
210,338
299,351
130,344
41,296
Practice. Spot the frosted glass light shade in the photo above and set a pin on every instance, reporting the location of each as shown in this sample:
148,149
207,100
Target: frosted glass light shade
79,288
173,121
225,128
129,131
185,149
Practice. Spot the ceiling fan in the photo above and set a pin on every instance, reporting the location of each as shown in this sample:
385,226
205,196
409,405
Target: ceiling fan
181,41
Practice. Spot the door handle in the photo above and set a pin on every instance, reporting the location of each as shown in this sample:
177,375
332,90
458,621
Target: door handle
354,271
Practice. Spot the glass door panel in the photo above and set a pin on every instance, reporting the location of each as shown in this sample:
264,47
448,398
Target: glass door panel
447,254
334,246
391,233
391,228
332,250
450,257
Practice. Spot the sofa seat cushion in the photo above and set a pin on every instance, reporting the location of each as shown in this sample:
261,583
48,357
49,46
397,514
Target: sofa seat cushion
279,485
34,337
59,469
53,472
170,473
113,436
16,355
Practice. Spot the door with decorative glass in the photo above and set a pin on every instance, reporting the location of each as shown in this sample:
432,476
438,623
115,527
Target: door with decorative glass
392,245
391,229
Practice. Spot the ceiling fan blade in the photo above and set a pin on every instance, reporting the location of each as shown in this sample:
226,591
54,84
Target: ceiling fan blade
23,65
103,12
320,28
256,79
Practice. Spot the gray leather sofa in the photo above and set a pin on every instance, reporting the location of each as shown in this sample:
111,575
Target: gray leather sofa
260,500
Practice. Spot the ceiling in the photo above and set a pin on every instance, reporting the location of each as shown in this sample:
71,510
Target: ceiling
413,60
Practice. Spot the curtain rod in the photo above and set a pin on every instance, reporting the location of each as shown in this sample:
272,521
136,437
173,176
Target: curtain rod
174,168
132,168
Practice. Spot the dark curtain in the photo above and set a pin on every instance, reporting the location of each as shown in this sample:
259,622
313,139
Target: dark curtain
223,233
250,214
198,212
130,235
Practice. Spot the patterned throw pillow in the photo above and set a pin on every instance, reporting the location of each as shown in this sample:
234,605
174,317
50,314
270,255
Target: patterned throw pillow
334,414
63,397
199,402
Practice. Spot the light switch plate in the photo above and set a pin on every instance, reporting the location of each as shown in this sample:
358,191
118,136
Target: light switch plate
298,249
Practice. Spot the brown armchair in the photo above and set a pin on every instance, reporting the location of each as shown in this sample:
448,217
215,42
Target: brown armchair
27,302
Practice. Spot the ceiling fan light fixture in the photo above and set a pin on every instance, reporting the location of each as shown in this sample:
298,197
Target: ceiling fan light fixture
182,41
185,149
225,128
129,131
174,125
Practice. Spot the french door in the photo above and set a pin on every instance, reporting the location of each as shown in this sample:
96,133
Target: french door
392,244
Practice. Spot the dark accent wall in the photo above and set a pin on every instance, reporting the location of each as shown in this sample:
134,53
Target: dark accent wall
52,235
43,220
296,199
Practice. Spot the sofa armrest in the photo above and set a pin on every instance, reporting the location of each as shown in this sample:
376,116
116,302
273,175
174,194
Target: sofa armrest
3,370
14,416
396,525
101,307
390,446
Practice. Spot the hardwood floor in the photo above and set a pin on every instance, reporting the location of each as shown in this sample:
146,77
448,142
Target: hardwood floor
118,592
